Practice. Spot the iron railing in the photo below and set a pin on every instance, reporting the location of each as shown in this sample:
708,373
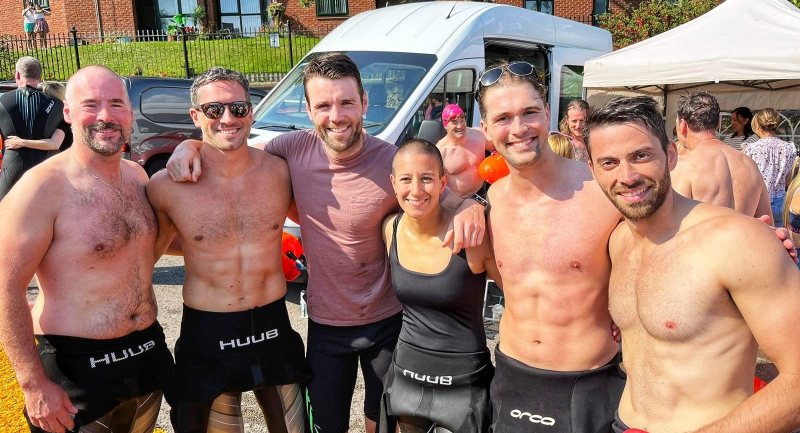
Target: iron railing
261,54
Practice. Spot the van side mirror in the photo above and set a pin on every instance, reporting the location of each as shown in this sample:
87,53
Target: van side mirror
431,130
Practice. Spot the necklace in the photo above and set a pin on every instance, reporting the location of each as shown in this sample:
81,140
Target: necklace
118,191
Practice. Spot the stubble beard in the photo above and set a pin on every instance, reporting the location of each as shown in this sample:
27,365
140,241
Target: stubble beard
645,209
338,146
103,147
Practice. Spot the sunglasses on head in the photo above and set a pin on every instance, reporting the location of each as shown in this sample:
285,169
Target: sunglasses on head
215,110
492,75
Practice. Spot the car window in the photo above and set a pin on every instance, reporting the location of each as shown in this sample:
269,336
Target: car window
166,105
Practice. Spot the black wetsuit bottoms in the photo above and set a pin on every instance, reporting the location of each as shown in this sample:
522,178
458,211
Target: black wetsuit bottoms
97,375
527,399
449,389
231,352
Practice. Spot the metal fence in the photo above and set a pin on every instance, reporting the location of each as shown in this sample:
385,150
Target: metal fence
262,55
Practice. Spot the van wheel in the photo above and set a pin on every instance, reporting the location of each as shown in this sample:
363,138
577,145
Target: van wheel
155,166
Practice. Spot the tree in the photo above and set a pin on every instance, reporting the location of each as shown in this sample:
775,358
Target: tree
651,18
795,2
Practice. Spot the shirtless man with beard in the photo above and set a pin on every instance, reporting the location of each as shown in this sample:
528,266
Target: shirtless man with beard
81,222
681,306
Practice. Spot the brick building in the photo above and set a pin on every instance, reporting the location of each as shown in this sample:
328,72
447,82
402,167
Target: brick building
128,16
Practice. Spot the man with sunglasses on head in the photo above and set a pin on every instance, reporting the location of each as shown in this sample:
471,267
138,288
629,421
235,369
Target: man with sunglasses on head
235,332
342,191
463,149
557,361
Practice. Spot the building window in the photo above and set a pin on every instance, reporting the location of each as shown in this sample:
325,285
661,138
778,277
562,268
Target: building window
167,9
599,8
332,8
240,15
543,6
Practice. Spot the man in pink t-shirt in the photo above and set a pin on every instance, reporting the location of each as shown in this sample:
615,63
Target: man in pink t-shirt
341,188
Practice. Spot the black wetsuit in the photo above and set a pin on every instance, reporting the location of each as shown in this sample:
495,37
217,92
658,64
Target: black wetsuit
441,368
98,375
30,114
527,399
231,352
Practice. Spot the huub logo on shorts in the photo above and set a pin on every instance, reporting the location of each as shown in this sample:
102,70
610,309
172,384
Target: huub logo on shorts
534,418
435,380
251,339
110,358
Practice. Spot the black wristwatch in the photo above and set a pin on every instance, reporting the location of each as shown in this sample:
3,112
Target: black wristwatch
482,201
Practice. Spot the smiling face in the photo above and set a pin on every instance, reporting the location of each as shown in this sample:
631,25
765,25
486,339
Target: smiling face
418,182
457,127
336,108
227,133
632,169
517,121
576,119
99,111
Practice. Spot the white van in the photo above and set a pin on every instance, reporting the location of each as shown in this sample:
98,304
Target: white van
410,54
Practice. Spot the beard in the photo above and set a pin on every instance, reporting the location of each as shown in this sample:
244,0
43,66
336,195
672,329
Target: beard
645,208
339,146
215,140
105,147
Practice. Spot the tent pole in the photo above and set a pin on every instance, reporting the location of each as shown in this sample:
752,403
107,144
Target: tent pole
665,91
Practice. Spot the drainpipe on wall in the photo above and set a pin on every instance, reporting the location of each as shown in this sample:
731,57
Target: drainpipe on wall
99,17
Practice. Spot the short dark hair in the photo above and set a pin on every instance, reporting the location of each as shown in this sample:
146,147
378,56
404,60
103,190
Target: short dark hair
641,110
745,113
509,79
215,74
332,66
700,110
424,147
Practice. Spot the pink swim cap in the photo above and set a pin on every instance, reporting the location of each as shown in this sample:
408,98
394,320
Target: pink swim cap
450,112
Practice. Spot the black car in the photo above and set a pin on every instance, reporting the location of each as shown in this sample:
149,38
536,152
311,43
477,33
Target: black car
161,110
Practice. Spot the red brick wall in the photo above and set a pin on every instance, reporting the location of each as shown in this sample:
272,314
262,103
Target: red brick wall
118,16
307,19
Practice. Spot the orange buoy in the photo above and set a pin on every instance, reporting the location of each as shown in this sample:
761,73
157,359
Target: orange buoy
292,260
492,168
758,384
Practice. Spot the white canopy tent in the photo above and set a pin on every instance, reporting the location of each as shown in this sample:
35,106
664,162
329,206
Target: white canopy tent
745,52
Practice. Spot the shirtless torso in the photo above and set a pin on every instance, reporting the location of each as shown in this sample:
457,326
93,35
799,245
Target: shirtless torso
229,228
556,314
462,155
715,173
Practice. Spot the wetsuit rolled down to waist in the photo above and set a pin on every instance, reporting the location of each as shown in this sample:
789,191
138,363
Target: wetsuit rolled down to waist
99,375
231,352
441,368
526,399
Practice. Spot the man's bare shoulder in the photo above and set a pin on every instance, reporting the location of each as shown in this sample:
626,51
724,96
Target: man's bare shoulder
268,161
45,183
135,170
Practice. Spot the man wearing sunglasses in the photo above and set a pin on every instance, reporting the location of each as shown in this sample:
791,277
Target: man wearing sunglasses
557,362
341,188
235,332
463,149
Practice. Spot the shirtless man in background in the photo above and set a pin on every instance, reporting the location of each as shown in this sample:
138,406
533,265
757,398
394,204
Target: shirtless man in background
463,149
81,222
557,363
713,172
235,333
681,306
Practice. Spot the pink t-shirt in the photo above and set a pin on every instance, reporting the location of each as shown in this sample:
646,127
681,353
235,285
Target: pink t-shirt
342,204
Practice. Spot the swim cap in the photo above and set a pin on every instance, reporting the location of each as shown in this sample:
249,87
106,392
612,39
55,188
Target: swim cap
450,112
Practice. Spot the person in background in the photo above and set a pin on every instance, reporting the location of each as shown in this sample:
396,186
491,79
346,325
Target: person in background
57,90
41,28
442,335
791,206
743,134
774,158
29,24
561,144
573,124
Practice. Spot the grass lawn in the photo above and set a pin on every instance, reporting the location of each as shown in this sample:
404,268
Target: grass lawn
250,55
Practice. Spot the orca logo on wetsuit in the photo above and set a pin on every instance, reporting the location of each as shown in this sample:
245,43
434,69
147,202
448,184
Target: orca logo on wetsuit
251,339
435,380
536,419
112,357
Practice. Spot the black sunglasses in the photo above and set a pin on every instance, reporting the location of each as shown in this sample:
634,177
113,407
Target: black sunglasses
215,110
492,75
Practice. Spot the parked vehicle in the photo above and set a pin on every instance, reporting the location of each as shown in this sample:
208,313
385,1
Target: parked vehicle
161,108
411,54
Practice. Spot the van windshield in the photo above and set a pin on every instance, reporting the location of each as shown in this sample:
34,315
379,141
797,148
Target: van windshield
388,78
